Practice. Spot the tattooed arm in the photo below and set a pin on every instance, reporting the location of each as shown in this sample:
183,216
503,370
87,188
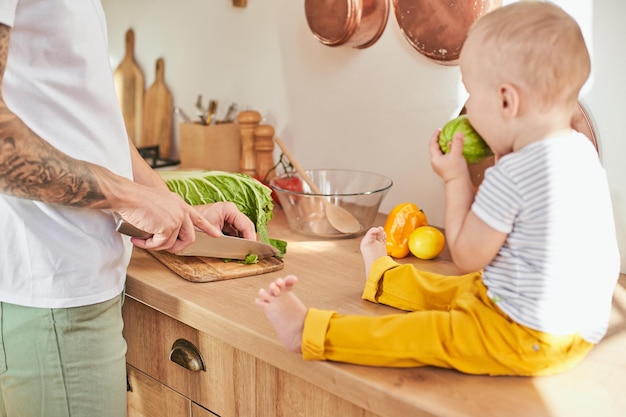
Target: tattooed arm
31,168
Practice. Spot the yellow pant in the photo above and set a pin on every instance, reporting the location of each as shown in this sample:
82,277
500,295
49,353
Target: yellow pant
451,323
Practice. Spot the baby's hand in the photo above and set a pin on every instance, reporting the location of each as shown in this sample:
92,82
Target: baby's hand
448,166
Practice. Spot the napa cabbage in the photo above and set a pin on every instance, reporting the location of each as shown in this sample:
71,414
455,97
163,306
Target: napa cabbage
250,196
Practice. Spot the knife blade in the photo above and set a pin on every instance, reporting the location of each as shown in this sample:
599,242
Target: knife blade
226,247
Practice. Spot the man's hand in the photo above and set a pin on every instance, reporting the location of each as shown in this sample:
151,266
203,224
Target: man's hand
163,214
214,219
224,217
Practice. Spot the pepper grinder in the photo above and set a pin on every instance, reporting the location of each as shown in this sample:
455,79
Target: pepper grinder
248,120
264,148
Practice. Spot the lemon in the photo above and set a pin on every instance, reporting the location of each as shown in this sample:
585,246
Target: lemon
426,242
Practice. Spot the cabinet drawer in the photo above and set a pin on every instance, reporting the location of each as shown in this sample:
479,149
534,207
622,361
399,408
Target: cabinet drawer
149,398
225,385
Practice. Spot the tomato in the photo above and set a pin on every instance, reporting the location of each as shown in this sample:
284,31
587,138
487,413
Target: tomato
290,183
426,242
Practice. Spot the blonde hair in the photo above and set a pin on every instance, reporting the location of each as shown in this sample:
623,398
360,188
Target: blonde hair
536,45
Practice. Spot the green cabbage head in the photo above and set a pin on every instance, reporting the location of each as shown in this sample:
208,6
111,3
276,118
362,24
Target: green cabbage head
475,149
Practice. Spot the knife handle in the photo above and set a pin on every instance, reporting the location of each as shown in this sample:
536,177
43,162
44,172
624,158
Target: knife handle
126,228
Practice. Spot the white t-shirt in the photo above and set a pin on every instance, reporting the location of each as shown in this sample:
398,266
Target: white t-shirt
559,265
58,80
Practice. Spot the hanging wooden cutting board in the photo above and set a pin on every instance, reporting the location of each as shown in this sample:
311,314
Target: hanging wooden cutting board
205,269
129,85
158,111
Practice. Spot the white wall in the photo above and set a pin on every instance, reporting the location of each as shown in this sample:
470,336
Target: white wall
371,109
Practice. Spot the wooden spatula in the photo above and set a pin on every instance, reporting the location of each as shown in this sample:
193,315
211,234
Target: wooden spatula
129,85
157,113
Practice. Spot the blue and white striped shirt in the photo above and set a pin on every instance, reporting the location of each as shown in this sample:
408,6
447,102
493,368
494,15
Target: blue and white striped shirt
558,267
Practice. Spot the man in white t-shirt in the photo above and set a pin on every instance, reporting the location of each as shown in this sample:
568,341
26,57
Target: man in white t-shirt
66,166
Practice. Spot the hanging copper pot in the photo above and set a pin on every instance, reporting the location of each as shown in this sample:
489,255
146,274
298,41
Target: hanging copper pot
436,28
355,23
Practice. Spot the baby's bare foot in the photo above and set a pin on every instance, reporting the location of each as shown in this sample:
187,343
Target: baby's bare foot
285,311
373,246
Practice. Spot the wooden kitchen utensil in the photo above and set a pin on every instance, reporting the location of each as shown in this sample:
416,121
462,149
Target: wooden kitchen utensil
129,85
264,149
248,120
157,114
338,217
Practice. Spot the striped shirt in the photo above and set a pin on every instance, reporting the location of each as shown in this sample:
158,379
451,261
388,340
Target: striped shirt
558,267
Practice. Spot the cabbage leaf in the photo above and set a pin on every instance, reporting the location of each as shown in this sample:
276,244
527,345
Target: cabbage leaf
251,197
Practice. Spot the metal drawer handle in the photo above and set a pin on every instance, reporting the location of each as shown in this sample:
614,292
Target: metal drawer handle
185,354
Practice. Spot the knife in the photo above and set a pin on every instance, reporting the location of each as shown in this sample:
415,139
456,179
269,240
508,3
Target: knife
226,247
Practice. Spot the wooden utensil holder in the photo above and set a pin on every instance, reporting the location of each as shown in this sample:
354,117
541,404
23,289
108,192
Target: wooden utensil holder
214,147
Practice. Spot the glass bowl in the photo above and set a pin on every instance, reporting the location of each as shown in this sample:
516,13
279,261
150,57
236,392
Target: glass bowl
358,192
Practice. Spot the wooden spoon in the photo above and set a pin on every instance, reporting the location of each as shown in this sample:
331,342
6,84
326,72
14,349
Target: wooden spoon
338,217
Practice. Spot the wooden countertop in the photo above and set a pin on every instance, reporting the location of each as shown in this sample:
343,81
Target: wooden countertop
331,276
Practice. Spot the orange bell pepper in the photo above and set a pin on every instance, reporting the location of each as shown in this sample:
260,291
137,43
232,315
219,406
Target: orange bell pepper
401,221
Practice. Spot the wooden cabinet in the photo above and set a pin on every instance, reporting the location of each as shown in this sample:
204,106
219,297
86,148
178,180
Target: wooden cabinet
232,383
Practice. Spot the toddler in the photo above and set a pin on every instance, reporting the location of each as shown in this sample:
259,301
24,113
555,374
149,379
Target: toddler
536,296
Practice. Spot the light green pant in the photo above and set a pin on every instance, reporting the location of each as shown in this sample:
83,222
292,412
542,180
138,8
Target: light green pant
67,362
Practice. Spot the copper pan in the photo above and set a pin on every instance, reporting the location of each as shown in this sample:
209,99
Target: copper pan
438,28
355,23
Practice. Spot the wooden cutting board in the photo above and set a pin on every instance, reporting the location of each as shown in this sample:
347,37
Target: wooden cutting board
129,85
204,269
158,111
